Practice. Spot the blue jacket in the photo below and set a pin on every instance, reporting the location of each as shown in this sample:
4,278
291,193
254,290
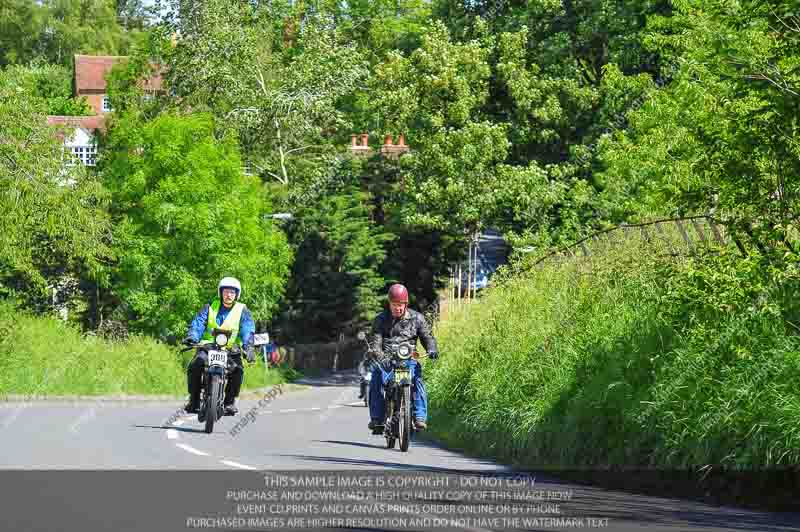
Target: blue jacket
247,326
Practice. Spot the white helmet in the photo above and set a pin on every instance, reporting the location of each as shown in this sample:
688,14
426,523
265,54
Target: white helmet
230,282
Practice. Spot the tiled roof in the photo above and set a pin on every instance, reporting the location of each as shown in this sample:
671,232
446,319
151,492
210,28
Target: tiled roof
90,71
90,123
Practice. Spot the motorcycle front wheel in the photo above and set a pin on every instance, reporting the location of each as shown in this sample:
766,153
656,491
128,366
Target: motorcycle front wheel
388,427
212,402
404,420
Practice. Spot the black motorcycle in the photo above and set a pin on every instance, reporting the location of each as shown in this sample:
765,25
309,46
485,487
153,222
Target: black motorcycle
218,367
398,395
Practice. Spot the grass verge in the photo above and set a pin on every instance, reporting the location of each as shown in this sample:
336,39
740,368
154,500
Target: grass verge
46,357
635,368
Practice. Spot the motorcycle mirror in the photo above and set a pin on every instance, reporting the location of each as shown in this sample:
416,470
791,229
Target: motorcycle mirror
361,335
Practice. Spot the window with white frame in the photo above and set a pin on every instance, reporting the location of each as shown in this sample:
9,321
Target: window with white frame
106,104
86,154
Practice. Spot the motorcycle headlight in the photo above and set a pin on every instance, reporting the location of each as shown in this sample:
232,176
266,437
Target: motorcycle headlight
368,377
222,339
404,351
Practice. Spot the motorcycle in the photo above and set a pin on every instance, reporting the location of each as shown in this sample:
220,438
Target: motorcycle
398,396
365,369
218,368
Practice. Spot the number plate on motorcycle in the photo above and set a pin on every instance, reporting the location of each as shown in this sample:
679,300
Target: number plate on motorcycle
400,374
217,358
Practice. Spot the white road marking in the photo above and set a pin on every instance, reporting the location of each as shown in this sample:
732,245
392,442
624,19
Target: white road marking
336,406
89,414
172,434
236,464
191,449
10,419
289,410
315,408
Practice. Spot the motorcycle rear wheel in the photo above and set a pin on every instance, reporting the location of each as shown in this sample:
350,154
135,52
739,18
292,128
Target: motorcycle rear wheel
212,402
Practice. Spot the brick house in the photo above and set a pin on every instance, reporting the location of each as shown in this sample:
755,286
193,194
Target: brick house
89,81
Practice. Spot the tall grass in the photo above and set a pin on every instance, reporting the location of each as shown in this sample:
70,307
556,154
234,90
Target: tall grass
628,359
43,356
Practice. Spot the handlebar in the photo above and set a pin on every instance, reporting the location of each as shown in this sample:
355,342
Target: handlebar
234,351
415,355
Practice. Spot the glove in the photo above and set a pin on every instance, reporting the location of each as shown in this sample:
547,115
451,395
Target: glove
433,355
251,354
188,341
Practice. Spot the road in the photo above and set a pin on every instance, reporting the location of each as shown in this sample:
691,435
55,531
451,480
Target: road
319,430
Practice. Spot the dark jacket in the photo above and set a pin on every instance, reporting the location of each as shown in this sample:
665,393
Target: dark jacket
408,328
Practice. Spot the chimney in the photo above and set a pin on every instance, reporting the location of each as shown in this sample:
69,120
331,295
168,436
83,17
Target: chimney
360,148
391,150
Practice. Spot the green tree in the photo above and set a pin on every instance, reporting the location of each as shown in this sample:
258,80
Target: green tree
186,216
56,30
336,281
134,13
456,178
53,220
722,137
21,26
53,84
281,102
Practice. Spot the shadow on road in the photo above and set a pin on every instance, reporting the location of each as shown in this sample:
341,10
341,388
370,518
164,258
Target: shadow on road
351,443
339,378
355,462
166,427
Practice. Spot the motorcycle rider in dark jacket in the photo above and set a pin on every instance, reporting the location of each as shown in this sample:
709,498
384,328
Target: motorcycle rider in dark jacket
399,324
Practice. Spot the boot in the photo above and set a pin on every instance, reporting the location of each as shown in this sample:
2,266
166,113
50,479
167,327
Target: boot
230,409
193,406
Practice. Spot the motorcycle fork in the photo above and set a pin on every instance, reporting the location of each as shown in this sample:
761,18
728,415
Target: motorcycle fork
391,410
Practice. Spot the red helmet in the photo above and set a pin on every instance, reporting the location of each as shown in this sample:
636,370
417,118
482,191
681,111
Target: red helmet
398,294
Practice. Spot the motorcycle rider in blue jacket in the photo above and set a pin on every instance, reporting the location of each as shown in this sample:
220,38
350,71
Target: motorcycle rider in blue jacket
405,325
224,312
